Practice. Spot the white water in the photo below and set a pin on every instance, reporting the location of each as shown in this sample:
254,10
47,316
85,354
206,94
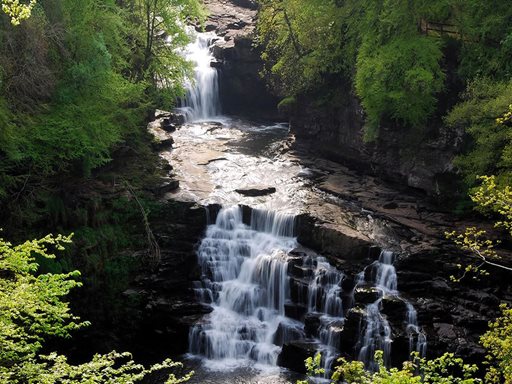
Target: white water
245,272
377,332
417,339
202,100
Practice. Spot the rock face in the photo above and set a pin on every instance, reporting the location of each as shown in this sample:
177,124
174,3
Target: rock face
242,91
166,303
335,131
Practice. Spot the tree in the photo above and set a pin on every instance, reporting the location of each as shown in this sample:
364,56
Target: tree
32,308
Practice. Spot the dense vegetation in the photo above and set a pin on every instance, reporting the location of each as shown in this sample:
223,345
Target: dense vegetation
78,81
407,61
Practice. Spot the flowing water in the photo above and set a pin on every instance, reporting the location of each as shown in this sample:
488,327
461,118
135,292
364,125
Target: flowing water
202,100
261,289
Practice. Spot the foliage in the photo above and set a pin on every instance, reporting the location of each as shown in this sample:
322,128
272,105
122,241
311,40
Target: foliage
446,369
395,70
17,10
498,342
294,60
491,148
77,79
399,80
489,199
31,308
313,367
401,62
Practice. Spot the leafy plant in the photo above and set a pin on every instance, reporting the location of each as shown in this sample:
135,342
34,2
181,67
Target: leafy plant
32,308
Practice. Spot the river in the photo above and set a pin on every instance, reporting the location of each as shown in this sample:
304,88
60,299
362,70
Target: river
269,294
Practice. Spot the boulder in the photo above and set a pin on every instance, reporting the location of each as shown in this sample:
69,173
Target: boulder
295,311
395,310
163,144
256,191
312,324
350,335
293,354
250,4
299,291
161,114
168,186
287,332
367,295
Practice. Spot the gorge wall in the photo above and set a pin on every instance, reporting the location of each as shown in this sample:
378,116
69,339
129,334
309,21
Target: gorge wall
410,158
238,60
420,159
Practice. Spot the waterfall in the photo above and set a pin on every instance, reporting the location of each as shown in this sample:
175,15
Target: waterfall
245,273
202,100
265,292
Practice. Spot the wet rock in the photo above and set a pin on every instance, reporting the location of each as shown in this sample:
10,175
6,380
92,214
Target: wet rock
256,191
242,90
167,186
293,354
350,335
445,332
286,333
295,311
341,242
399,350
163,144
312,324
390,205
395,309
367,295
177,118
299,290
216,64
160,114
250,4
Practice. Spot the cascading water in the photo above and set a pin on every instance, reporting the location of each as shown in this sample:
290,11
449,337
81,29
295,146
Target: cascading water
417,339
377,330
377,333
245,273
252,275
202,100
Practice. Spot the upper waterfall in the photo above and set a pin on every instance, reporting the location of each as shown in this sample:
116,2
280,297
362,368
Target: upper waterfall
202,101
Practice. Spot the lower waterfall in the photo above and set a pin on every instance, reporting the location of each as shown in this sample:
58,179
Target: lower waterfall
266,292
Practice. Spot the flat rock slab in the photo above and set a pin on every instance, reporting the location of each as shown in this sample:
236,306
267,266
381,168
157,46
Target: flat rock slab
256,191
